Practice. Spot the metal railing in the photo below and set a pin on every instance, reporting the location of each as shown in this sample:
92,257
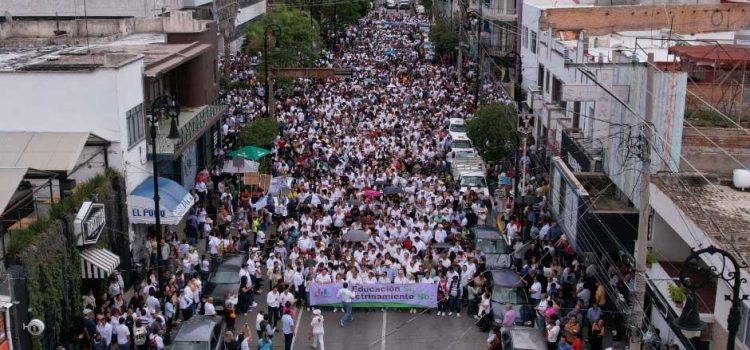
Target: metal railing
188,131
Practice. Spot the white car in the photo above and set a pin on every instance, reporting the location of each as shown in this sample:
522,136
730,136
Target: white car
457,128
390,4
419,9
461,143
474,180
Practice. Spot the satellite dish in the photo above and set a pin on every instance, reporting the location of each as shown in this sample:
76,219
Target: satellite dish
8,17
34,327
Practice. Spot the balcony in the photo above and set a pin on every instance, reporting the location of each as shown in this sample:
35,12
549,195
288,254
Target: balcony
193,123
499,13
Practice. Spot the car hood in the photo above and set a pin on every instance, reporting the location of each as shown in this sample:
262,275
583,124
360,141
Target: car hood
218,291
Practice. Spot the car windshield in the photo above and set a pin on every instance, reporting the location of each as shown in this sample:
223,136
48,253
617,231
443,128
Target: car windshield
464,154
473,181
508,296
225,277
458,128
493,246
461,144
193,345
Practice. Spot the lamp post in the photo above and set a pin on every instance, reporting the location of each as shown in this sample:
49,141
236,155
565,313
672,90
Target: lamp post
689,319
162,107
276,31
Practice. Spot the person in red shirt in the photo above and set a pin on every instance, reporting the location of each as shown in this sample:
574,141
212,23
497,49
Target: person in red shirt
577,344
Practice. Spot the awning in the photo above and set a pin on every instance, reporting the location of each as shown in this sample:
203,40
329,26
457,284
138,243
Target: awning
174,202
51,151
9,180
98,263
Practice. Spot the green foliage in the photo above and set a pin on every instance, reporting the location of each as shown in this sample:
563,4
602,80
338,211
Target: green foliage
261,132
52,265
708,118
443,37
427,6
492,130
677,294
299,42
650,256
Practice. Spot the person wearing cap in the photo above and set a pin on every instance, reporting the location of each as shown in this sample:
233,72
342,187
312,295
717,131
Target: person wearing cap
318,330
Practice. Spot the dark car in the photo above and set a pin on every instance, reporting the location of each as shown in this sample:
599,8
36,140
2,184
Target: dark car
199,333
493,245
507,288
225,278
523,338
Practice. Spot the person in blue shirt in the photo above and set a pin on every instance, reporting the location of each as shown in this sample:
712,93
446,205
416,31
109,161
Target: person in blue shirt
563,344
287,327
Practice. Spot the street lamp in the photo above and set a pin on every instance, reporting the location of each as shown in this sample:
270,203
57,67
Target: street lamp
162,107
276,31
689,320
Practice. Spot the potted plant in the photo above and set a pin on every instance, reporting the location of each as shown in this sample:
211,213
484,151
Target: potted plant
650,257
677,294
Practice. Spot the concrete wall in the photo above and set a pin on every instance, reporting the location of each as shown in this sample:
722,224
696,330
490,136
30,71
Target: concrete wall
198,79
177,22
727,97
96,8
683,19
666,243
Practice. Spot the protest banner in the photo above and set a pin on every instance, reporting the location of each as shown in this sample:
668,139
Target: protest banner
416,295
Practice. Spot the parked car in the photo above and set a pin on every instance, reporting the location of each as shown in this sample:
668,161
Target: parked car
507,288
223,279
522,338
457,127
404,4
461,142
419,10
390,4
199,333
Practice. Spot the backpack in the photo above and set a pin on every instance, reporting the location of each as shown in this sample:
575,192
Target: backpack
140,335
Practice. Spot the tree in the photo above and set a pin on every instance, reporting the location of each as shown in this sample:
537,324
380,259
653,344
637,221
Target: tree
261,132
443,37
299,42
338,14
493,131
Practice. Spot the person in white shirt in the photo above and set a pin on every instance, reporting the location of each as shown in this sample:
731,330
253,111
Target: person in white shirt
273,300
105,329
318,330
208,307
346,297
123,334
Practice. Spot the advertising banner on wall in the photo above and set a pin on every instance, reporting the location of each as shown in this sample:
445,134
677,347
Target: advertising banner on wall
415,295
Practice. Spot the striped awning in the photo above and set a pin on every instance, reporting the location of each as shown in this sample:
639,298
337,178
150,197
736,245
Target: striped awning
98,263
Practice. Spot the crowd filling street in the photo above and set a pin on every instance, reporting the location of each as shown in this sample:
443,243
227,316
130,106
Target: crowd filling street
367,154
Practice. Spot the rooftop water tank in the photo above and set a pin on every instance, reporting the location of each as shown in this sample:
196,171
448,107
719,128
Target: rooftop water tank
741,179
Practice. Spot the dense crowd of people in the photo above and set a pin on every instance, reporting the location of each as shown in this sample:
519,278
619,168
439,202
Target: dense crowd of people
366,153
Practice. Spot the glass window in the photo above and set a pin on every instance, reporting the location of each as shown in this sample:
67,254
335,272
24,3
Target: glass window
136,127
540,77
533,41
525,39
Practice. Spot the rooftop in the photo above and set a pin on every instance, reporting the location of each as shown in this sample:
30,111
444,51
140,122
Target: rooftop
719,204
12,59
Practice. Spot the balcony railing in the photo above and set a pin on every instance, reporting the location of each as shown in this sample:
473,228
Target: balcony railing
193,124
499,13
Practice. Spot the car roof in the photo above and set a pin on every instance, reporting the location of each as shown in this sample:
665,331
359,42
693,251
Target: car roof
526,338
196,329
461,137
232,262
456,121
486,232
506,278
473,173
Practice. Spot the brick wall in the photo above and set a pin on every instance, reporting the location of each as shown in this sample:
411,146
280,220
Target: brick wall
706,157
687,18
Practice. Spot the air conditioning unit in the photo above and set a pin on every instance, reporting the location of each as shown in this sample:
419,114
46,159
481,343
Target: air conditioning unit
566,55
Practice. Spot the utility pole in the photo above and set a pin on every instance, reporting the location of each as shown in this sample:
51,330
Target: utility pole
524,132
477,82
643,212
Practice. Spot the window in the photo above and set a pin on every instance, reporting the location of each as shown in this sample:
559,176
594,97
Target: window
576,114
533,41
136,125
556,90
540,77
525,38
546,81
743,332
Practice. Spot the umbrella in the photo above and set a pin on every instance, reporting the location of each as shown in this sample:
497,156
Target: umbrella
314,199
250,152
355,236
371,193
392,190
248,166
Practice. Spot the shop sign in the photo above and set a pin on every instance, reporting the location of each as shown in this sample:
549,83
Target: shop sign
90,222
